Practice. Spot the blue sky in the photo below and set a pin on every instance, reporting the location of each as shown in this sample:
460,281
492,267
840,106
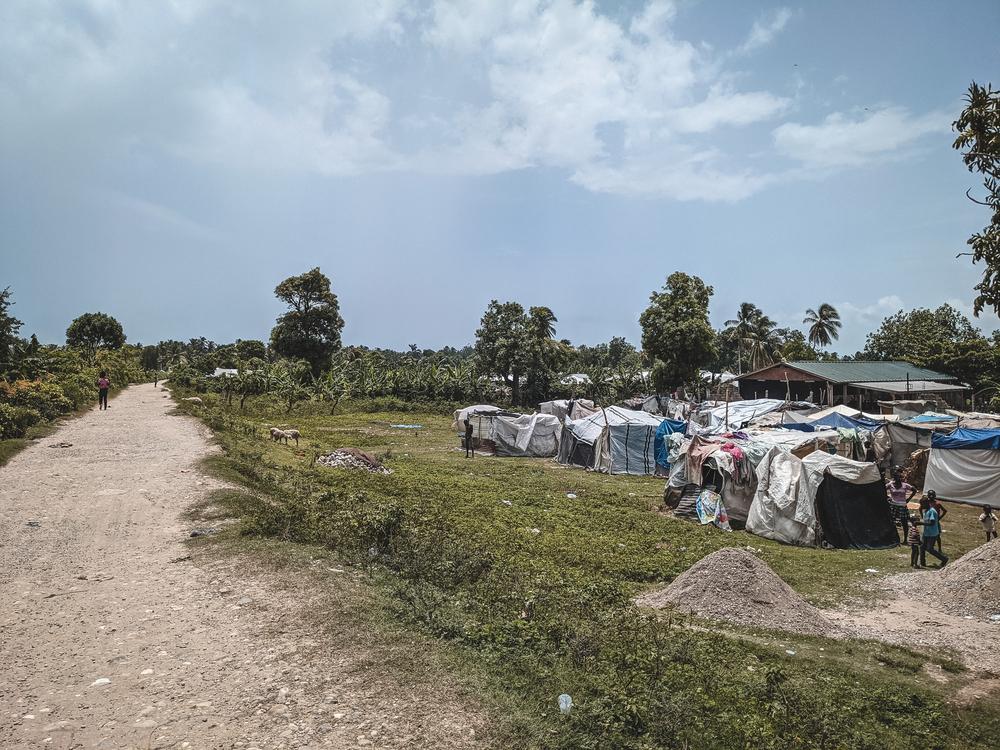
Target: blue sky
169,163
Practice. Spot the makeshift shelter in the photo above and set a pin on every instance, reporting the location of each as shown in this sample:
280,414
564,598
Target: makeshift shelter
822,496
571,408
534,435
905,439
613,440
481,418
850,502
965,466
720,418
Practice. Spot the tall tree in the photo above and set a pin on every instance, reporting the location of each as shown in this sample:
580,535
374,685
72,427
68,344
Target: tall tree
824,325
754,334
978,128
676,333
919,336
95,331
9,328
310,330
501,344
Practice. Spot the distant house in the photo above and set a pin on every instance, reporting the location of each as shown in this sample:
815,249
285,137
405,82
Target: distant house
860,385
225,372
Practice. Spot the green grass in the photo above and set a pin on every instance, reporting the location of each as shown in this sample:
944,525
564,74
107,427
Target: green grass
537,613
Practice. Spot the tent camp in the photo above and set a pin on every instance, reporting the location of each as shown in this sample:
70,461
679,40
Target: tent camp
612,440
965,466
535,435
821,497
572,408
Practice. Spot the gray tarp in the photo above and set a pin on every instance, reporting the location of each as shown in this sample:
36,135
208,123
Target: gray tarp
905,440
535,435
622,440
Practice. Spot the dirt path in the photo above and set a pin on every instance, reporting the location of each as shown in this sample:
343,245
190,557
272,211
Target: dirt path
110,637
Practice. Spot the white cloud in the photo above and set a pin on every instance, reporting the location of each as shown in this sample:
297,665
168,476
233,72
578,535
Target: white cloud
866,317
764,30
327,88
845,141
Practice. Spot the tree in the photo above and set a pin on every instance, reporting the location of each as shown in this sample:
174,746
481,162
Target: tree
95,331
676,333
545,358
919,336
754,335
150,358
250,349
9,327
824,325
978,128
310,330
501,344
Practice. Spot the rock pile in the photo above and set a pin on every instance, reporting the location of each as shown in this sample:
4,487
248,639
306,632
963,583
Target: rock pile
734,584
971,584
352,458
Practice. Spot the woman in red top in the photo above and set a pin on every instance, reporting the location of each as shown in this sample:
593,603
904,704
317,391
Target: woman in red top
103,384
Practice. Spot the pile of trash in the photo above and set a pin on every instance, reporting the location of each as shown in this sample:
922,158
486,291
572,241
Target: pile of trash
734,584
352,458
971,584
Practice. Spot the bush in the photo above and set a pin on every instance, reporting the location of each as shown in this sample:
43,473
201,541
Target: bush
45,398
15,420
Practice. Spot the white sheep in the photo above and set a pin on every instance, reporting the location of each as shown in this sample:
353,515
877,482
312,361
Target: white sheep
277,435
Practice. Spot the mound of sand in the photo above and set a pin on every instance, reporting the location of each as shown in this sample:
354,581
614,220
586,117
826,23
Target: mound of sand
971,584
733,584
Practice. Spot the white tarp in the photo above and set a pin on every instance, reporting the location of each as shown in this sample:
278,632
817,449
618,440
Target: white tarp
534,435
776,512
968,475
571,408
784,507
480,417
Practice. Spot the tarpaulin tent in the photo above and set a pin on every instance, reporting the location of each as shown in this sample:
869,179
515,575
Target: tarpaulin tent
965,466
667,427
841,421
905,440
568,407
535,435
850,502
794,496
613,440
481,418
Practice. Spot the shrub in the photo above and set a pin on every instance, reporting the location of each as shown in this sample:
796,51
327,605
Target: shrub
15,420
46,398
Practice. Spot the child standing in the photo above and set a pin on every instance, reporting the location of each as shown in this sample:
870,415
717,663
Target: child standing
913,539
103,384
989,522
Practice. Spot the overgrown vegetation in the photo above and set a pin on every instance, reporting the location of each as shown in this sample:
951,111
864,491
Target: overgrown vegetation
536,588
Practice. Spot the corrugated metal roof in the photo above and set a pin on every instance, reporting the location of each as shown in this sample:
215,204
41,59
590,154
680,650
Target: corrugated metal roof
916,386
867,372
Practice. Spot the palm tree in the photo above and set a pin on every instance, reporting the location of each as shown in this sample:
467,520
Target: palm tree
542,321
754,332
824,325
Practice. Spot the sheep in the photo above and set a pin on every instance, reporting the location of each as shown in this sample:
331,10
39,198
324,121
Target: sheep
277,435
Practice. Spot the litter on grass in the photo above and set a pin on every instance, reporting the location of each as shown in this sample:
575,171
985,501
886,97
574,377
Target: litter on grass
352,458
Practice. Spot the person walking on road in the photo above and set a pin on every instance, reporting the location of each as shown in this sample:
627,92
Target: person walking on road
932,530
103,384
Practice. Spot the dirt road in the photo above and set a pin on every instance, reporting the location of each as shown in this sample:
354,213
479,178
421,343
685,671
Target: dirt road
112,637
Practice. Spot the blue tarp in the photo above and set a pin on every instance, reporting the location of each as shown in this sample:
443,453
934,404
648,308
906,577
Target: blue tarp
931,418
667,427
968,439
800,426
847,423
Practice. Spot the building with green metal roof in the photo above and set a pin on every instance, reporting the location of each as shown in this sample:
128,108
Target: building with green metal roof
860,384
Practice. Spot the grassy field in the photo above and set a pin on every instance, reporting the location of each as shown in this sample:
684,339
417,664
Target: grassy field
532,589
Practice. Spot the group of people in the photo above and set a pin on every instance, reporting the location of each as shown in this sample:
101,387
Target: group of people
922,530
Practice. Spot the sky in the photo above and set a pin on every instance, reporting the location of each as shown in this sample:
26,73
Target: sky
170,162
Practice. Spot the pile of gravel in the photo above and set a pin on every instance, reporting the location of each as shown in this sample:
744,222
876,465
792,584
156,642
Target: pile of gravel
971,584
352,458
733,584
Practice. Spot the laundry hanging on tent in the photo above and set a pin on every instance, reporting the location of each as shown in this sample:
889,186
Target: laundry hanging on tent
711,510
